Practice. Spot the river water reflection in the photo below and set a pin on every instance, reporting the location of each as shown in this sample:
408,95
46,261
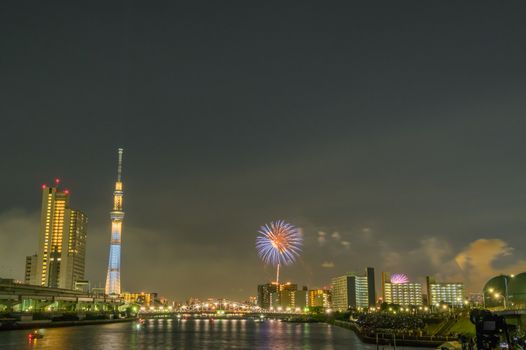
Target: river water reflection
189,334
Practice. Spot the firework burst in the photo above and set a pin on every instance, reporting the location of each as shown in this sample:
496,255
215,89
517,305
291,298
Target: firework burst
279,243
399,278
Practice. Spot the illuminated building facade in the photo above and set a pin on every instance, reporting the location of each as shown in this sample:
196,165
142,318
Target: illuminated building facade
252,300
82,286
401,293
265,292
284,296
289,297
147,299
444,293
351,291
113,278
319,298
60,260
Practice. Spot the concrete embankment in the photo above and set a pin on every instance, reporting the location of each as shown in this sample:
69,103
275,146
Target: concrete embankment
10,324
390,339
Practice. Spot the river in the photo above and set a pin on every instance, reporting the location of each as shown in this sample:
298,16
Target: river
189,334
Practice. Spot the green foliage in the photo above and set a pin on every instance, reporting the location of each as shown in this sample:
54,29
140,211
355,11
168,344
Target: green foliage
463,326
316,310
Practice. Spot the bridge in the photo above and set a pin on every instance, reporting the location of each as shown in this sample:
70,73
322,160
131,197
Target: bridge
217,314
17,297
217,309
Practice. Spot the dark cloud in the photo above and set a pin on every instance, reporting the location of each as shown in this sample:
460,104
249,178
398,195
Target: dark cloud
398,126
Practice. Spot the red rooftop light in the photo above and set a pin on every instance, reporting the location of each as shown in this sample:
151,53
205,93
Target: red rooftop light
66,191
57,180
44,186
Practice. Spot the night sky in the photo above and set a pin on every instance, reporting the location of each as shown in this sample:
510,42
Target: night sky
393,133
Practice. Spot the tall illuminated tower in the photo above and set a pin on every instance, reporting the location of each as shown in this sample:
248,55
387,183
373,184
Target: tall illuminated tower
113,279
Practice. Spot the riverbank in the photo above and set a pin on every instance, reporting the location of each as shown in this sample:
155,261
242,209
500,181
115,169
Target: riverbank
9,324
390,339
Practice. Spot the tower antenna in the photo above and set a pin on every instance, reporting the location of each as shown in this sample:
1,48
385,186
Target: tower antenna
119,166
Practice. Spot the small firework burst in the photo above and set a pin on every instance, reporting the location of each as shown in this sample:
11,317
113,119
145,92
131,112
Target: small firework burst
279,243
398,278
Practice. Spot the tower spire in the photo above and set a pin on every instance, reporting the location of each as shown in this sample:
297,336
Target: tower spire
119,166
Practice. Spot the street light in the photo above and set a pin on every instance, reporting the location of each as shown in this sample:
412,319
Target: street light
497,296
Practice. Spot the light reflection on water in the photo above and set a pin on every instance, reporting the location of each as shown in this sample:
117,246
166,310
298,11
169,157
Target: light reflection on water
190,334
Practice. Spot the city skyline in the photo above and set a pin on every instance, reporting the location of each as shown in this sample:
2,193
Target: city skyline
387,146
118,206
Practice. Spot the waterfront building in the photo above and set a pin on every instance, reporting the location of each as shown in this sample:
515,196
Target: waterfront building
113,277
371,286
285,299
60,260
319,298
352,291
82,286
281,296
288,296
288,287
444,293
397,289
31,270
252,301
301,299
289,299
264,294
143,298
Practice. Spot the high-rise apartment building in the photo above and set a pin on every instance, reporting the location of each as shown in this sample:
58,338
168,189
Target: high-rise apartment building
400,291
371,286
264,294
60,260
31,269
353,290
444,292
300,299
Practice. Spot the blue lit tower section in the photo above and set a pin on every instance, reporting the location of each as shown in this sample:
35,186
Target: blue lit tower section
113,279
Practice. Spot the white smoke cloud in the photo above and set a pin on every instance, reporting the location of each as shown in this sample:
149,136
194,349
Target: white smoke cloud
477,261
474,264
